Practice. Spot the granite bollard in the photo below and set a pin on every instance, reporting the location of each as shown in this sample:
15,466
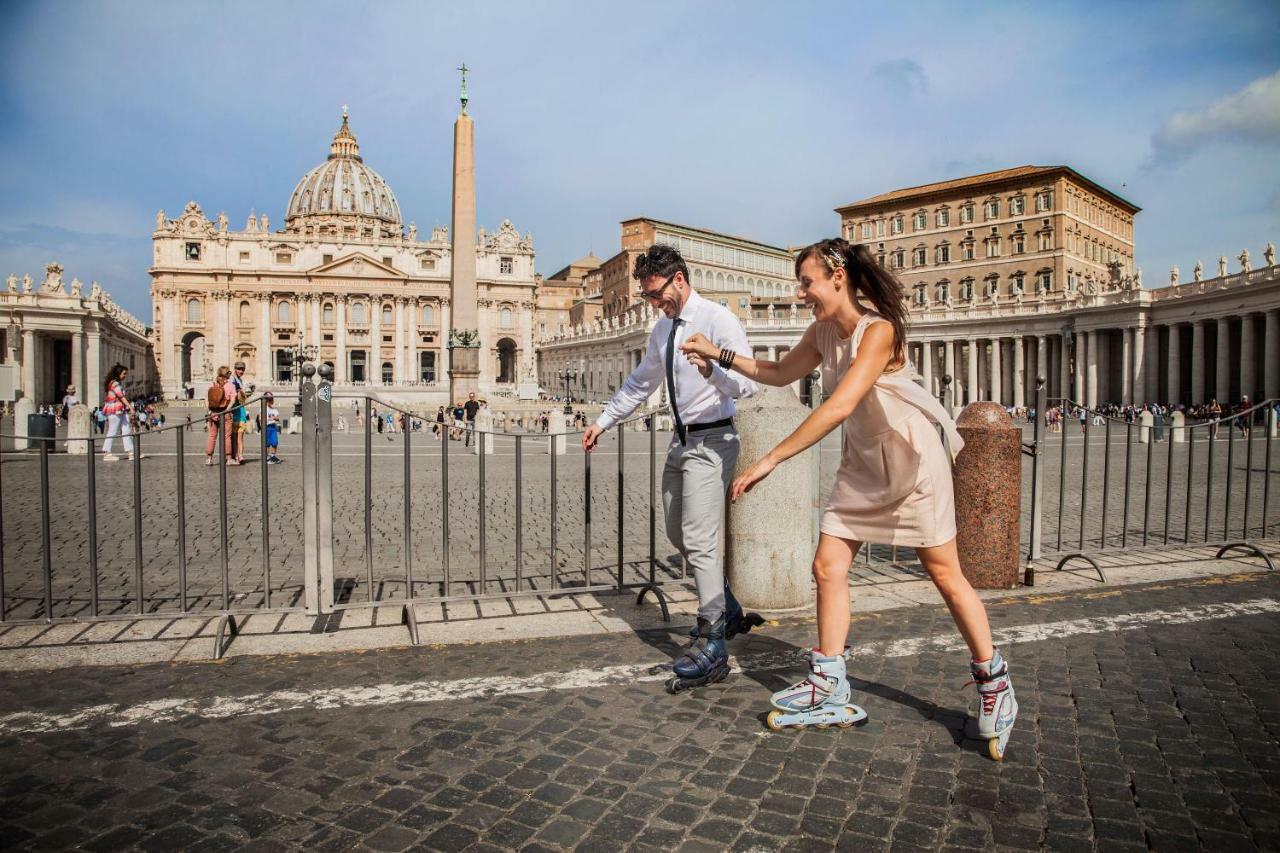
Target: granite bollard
1177,421
771,531
1146,421
21,410
988,491
556,426
77,430
483,424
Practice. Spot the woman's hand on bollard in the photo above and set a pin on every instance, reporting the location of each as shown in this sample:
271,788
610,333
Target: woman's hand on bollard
746,481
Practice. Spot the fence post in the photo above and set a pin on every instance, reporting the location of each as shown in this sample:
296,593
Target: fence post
310,501
988,495
1037,475
324,488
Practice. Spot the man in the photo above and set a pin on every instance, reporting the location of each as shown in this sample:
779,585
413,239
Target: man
700,460
470,408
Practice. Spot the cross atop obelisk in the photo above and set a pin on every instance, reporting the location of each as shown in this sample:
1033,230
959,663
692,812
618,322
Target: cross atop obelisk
464,69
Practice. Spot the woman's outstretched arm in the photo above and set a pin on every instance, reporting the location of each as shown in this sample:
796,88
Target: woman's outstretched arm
874,354
798,363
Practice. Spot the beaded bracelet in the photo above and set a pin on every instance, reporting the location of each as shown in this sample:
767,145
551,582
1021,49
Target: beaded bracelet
726,358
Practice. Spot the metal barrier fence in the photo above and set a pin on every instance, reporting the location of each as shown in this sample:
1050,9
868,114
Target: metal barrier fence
1116,492
103,546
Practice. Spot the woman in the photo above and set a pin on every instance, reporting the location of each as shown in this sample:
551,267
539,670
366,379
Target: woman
894,484
118,411
219,398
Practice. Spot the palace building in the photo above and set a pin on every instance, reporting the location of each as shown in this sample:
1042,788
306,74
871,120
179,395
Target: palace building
344,275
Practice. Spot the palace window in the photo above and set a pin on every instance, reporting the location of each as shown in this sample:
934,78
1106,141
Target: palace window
899,258
944,291
1019,244
943,218
919,257
966,289
922,294
244,313
991,210
1044,241
284,313
1017,283
426,263
192,252
1044,201
967,250
388,373
1044,281
284,257
428,316
993,247
505,265
194,311
944,254
426,366
895,224
918,221
993,285
966,214
326,314
866,231
357,314
387,318
1017,205
244,257
504,317
879,227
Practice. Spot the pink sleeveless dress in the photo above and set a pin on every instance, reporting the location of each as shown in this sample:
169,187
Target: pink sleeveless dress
894,483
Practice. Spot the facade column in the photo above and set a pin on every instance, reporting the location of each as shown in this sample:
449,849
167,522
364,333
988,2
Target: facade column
398,361
373,370
1222,381
926,365
971,369
1248,360
1197,363
413,370
1019,373
170,337
317,331
1271,354
997,395
773,353
1175,365
442,360
340,372
1091,370
93,370
266,367
77,364
1126,370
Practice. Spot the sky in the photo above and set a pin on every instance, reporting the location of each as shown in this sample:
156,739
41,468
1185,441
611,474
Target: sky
751,118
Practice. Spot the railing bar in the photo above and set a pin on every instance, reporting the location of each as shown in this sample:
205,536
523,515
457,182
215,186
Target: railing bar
1272,418
1168,487
555,575
1208,494
1084,479
266,503
621,474
92,498
180,475
46,546
1231,454
1128,477
1146,489
1062,473
586,527
222,512
653,511
444,506
1248,472
137,517
408,510
1106,477
519,513
3,609
368,496
1191,458
480,437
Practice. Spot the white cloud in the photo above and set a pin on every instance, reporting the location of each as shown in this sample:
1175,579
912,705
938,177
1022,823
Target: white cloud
903,77
1249,115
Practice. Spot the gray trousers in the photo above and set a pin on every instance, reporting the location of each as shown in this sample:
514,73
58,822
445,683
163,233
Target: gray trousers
695,483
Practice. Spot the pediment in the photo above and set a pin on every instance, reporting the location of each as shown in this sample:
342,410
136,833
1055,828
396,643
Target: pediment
357,265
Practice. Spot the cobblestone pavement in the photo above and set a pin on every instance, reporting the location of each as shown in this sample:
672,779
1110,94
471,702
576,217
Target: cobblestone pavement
1195,503
1149,720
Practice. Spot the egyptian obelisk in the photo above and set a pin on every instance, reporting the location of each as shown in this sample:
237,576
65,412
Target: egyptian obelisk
464,337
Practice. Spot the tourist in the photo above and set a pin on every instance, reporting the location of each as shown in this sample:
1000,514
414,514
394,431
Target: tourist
271,430
68,400
701,456
894,482
100,420
438,429
469,410
118,411
219,399
1214,413
1157,419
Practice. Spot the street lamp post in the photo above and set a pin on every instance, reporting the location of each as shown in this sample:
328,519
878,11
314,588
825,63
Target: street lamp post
946,392
568,375
298,355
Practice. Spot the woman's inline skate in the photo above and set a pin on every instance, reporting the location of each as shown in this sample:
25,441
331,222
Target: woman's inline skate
821,700
999,708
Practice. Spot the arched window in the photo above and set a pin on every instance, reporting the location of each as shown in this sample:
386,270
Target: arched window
388,373
357,313
428,316
386,315
244,313
193,311
284,312
326,314
504,318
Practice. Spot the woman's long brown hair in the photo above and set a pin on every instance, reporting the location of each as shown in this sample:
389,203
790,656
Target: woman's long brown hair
880,287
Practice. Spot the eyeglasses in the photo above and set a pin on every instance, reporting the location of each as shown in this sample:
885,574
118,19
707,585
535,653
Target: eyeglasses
655,295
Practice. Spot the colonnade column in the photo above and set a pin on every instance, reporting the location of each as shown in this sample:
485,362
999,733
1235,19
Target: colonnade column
1248,372
28,371
1126,367
1064,367
997,395
77,364
1271,354
340,340
1149,388
949,369
1175,365
1197,363
93,370
926,364
1019,373
1222,381
971,369
1091,370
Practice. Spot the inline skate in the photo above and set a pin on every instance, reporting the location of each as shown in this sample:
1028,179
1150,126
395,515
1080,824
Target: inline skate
999,708
821,699
705,660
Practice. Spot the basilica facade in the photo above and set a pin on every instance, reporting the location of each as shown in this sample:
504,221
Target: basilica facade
344,276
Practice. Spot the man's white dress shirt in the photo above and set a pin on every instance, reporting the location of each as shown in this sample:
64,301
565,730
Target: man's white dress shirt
699,399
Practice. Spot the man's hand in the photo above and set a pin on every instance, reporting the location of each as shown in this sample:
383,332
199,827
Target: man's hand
701,362
697,344
590,437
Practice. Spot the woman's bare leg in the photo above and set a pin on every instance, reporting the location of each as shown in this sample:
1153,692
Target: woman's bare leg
831,565
942,562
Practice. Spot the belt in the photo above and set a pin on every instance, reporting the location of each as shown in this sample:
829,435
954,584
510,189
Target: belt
723,422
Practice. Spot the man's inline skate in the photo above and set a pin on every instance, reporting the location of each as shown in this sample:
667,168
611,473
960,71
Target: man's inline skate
821,699
999,708
705,660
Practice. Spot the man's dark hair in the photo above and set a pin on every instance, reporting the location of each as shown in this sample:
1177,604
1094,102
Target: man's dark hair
659,260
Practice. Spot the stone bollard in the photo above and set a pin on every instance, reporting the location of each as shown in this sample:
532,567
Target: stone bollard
1273,420
483,424
1146,421
556,426
988,491
21,410
1177,421
78,430
770,533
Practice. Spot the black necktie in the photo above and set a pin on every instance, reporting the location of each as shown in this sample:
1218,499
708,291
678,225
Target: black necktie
671,378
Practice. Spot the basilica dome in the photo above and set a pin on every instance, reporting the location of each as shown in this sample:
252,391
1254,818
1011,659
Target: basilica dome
343,196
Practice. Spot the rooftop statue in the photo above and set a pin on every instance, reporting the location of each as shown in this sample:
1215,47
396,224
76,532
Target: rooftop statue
1198,272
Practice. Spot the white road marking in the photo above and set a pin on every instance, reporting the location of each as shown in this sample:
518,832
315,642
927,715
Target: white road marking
427,692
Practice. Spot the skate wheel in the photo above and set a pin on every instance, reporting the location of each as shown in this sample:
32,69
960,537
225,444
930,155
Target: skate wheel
773,721
995,748
822,725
